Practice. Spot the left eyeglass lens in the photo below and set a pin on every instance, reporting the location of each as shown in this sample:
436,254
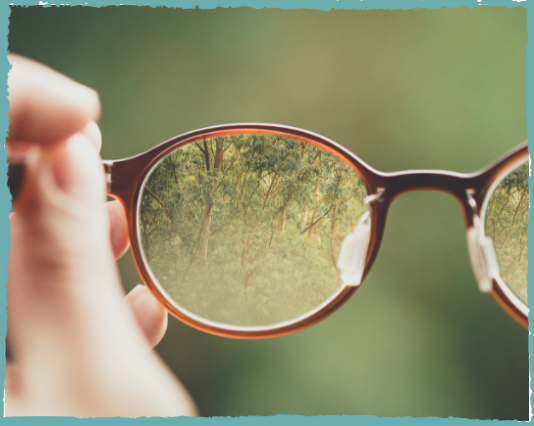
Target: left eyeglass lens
246,229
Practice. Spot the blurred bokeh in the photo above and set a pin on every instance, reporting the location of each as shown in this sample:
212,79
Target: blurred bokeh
438,89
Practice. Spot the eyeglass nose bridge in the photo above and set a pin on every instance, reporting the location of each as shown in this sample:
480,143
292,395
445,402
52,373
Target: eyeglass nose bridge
455,184
395,184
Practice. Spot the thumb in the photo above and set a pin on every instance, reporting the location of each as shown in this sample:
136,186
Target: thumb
61,272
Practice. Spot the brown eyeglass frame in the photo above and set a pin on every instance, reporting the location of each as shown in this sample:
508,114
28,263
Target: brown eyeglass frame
125,181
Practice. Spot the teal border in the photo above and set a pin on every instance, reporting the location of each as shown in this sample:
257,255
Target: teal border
5,198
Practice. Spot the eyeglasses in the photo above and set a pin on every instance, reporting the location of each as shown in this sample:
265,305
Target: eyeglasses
258,230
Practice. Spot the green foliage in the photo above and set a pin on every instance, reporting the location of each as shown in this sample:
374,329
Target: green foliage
507,225
246,229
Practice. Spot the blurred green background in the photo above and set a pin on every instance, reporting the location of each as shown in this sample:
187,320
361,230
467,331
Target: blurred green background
440,89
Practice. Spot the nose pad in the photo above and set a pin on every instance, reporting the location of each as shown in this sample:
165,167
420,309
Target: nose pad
351,261
483,257
353,253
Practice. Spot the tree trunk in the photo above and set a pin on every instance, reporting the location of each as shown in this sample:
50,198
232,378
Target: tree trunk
310,232
284,220
146,245
219,151
314,214
305,217
208,213
207,156
205,233
332,237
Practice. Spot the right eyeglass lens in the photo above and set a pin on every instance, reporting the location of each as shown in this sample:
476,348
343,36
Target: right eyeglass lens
246,229
506,222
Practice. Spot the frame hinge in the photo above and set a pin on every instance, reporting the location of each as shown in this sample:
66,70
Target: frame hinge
108,168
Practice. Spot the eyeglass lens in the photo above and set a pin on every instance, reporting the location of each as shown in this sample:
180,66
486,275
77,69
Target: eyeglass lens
506,222
246,229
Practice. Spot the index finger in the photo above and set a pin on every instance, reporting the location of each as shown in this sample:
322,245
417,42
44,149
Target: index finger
46,106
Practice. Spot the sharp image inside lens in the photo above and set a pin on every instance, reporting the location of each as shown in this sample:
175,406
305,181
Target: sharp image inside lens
246,229
506,222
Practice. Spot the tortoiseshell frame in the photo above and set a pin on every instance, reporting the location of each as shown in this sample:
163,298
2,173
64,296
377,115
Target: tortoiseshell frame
126,177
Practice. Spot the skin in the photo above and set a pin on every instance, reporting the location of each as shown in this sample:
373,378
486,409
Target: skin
77,346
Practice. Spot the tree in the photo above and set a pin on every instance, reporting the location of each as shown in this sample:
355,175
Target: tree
245,229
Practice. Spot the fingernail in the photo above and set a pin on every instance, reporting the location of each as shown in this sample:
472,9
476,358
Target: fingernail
91,101
92,131
77,168
137,290
136,294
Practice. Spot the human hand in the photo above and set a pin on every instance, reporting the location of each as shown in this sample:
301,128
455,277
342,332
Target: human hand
78,348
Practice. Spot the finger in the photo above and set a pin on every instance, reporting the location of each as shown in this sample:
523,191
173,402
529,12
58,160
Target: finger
17,150
60,245
149,314
46,106
92,131
118,228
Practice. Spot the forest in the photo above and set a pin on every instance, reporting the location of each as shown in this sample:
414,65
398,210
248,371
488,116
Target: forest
507,225
246,229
